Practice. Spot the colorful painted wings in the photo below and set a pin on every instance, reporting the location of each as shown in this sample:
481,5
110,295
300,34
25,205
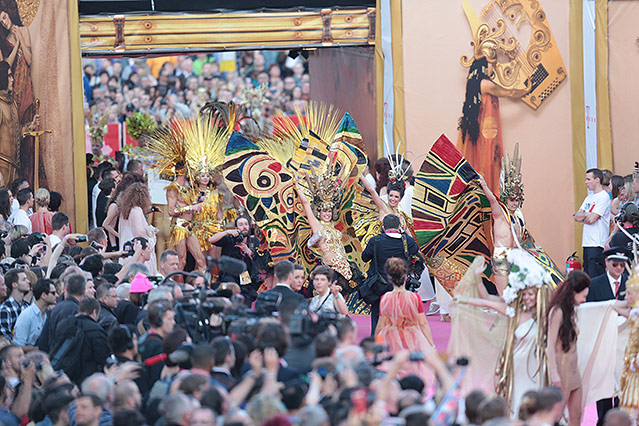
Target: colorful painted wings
265,188
451,214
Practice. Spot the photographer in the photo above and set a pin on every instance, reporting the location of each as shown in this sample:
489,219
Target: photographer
628,219
239,244
389,244
19,375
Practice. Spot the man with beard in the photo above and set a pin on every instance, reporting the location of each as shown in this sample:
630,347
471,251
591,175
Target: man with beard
18,284
239,244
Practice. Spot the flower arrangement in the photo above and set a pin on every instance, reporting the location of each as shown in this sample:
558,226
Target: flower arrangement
524,272
140,124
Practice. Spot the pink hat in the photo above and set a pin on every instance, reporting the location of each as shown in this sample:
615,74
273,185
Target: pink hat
140,284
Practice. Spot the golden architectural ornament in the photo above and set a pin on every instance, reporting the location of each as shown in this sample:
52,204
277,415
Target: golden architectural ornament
533,65
28,10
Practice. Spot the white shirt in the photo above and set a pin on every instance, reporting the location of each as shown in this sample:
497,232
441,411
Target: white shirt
55,240
20,217
612,280
595,235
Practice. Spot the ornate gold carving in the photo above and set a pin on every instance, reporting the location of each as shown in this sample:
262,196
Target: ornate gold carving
538,67
27,9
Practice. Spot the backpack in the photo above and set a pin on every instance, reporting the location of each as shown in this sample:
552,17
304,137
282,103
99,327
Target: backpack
67,356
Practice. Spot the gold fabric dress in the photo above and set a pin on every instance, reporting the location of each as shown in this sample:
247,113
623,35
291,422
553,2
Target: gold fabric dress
629,394
205,222
332,249
180,228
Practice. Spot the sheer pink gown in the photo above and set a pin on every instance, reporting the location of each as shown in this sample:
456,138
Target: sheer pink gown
399,313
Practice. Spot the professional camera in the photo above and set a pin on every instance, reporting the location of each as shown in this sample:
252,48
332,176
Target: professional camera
306,323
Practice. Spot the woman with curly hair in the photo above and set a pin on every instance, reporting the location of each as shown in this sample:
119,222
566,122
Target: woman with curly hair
135,204
562,341
110,223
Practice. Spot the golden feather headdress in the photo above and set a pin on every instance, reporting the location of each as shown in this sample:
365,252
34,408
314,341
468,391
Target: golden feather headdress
167,151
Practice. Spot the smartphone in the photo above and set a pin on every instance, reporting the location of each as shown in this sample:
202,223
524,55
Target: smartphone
81,239
96,246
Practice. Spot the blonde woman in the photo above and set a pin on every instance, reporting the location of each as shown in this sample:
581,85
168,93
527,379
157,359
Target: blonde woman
41,219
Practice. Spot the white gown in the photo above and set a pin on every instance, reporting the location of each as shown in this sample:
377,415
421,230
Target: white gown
524,362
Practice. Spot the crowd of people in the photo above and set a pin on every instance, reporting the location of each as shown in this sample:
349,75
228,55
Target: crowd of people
104,328
170,87
89,340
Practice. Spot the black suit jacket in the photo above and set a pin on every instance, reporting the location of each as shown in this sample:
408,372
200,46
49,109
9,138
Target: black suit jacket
600,289
289,300
63,310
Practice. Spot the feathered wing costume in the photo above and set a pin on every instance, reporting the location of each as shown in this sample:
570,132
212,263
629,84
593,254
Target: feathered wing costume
262,174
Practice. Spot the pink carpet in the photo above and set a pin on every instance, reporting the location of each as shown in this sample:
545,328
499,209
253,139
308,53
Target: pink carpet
441,333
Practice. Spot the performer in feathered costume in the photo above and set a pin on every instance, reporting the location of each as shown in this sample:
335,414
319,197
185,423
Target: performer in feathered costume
399,174
205,146
523,363
509,226
262,172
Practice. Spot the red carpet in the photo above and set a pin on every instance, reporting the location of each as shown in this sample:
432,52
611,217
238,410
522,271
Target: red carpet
441,333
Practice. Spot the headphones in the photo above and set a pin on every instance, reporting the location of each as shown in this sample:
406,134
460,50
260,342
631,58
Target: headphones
158,322
624,215
129,343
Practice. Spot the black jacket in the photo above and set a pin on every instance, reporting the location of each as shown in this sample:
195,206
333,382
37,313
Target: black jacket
63,310
126,313
289,301
601,289
95,350
388,247
107,318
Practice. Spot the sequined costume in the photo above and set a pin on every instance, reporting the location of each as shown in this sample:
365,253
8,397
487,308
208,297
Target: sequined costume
332,248
205,222
180,228
629,395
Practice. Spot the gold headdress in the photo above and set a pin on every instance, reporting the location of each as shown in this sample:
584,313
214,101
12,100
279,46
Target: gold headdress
510,184
205,142
326,189
166,151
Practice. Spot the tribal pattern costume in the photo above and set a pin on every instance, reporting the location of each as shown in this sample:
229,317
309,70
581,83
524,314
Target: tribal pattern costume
261,172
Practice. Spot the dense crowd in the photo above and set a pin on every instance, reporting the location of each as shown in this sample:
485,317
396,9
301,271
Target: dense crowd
98,329
178,86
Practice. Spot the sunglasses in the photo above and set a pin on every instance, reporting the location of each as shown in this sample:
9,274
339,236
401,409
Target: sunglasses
618,264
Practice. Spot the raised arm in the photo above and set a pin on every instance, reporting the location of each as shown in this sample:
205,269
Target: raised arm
494,203
109,222
382,207
312,220
499,306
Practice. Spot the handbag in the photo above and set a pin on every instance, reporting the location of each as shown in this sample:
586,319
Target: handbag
417,267
375,285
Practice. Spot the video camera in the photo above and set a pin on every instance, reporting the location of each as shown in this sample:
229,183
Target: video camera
304,322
